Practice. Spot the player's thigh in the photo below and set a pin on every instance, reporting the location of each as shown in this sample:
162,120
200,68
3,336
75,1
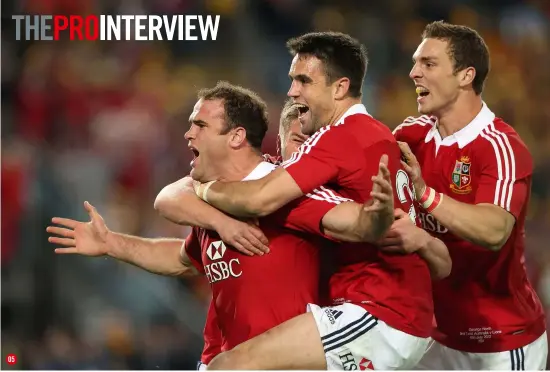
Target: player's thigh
355,339
294,344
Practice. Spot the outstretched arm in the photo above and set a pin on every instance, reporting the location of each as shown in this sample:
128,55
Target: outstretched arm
159,256
255,198
178,203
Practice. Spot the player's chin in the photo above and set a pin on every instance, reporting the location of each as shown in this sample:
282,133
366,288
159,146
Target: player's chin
196,175
307,127
424,109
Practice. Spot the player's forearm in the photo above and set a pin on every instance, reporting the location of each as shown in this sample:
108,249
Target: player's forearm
236,198
350,223
256,198
242,199
181,205
480,224
159,256
436,255
373,225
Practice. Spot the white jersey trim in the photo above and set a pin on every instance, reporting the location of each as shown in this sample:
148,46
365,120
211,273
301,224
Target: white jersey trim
420,120
261,170
506,165
467,134
324,194
306,147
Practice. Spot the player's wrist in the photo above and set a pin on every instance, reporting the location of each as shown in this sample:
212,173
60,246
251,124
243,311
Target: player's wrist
419,189
423,241
218,221
430,199
111,244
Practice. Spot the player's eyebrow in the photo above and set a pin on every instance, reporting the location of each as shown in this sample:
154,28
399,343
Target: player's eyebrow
301,77
198,122
425,59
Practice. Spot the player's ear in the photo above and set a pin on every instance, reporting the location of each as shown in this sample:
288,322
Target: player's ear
341,88
237,137
466,76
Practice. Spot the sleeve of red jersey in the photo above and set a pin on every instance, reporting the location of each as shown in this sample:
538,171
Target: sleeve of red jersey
506,171
319,159
412,129
306,213
193,249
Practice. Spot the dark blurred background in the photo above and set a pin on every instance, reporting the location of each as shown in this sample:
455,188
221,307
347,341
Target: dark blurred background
104,122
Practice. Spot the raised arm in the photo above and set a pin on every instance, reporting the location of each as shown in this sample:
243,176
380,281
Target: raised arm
159,256
488,225
178,203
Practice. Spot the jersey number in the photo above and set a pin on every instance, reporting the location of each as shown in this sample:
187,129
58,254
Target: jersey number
403,191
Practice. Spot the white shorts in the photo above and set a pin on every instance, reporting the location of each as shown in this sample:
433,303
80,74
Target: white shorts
530,357
201,366
355,339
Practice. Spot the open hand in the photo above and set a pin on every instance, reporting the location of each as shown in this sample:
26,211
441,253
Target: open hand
85,238
382,191
412,167
246,237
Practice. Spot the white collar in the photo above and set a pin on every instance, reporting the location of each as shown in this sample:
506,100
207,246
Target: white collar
466,134
358,108
261,170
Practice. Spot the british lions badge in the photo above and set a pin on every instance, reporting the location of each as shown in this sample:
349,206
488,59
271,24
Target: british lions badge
462,176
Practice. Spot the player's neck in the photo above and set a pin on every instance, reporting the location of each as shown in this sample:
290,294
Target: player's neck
341,109
240,165
458,115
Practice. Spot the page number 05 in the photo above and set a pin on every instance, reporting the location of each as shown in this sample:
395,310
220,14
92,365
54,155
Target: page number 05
404,192
11,359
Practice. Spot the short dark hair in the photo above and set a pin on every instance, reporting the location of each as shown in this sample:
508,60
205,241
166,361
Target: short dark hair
288,114
466,49
243,108
342,55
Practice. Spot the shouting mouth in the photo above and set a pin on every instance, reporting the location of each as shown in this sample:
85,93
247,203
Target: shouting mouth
422,93
195,154
302,110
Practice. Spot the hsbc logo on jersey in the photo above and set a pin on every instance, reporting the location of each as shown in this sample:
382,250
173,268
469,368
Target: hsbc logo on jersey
219,269
430,223
216,250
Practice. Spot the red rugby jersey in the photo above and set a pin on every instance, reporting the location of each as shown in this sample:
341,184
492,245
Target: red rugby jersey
487,303
254,294
343,157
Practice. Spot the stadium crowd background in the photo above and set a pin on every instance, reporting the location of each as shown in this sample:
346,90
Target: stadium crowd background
104,122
